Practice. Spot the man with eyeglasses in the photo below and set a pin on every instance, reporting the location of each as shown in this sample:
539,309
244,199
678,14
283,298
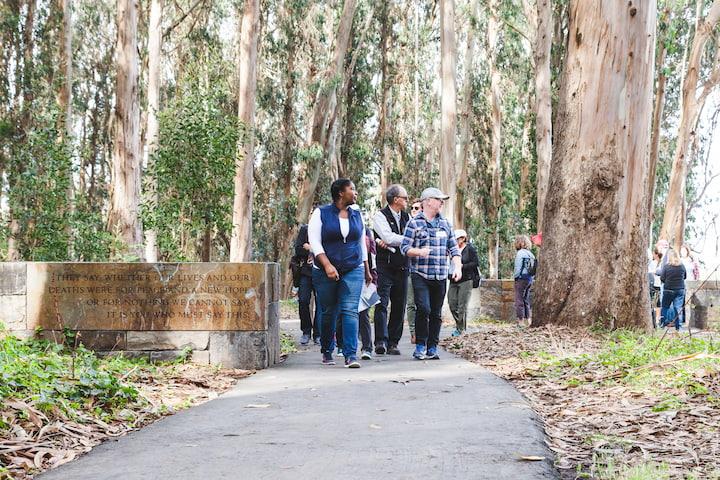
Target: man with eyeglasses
429,238
392,269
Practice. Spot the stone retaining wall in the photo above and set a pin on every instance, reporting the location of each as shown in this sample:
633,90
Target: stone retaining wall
223,313
494,300
704,304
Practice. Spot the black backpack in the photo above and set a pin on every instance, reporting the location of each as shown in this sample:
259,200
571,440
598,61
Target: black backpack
530,266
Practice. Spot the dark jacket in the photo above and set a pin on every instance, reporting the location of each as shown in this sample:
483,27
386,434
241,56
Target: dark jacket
673,277
470,264
384,256
303,257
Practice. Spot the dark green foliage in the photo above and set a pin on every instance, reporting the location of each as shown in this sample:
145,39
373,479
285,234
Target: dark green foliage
194,167
43,372
39,175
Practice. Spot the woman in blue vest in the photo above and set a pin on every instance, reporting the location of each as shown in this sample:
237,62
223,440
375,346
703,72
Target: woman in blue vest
337,238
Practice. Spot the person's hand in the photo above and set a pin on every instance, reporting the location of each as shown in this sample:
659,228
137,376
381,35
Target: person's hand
368,277
380,243
306,246
456,275
332,272
423,252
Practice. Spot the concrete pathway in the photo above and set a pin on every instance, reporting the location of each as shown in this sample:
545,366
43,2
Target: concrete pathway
394,418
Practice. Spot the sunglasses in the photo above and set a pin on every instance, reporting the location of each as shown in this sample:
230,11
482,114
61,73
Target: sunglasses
414,208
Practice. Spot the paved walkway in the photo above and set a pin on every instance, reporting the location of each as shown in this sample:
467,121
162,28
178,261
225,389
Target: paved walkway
394,418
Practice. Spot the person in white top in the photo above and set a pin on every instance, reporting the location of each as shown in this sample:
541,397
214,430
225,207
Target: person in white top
337,239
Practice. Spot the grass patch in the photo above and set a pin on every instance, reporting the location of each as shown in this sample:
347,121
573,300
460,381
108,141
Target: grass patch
642,361
287,344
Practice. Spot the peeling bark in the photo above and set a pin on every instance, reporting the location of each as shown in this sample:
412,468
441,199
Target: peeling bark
595,216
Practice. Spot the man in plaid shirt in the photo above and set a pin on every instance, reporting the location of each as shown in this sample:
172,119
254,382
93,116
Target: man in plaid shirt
429,239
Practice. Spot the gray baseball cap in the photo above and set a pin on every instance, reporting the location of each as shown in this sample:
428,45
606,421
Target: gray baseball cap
433,192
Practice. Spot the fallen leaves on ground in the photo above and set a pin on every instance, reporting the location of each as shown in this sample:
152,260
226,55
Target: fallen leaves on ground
35,441
590,417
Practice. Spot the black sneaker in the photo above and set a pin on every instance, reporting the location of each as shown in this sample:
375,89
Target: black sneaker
352,362
393,350
328,359
380,350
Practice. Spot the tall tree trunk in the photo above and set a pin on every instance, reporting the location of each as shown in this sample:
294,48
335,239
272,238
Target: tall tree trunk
673,226
241,240
594,266
524,196
123,218
382,132
493,33
153,108
318,133
65,87
28,69
288,151
448,105
655,131
65,107
463,152
543,103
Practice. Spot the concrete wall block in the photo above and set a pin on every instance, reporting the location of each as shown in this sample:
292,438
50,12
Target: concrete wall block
129,354
201,357
158,340
98,340
248,350
13,277
705,309
12,312
166,355
273,333
21,334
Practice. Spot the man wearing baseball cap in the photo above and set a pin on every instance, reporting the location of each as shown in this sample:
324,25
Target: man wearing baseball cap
429,238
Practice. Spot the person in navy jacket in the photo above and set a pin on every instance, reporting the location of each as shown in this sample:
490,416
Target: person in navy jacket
337,239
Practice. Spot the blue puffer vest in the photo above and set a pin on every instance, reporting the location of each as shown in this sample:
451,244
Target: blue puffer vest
344,253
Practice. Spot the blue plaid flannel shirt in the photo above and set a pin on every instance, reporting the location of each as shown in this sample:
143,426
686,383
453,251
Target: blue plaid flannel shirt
439,236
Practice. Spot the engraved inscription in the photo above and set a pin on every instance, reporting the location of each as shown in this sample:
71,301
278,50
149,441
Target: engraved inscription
107,296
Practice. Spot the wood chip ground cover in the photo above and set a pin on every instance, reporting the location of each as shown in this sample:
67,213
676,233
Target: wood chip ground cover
54,408
613,402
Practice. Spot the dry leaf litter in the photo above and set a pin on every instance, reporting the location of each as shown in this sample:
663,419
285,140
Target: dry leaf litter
590,417
40,441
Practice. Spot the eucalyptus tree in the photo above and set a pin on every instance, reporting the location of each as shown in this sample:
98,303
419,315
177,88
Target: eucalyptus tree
448,105
595,213
695,91
241,241
152,128
123,217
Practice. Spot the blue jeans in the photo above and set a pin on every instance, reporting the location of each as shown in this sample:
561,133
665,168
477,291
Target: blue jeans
339,298
308,325
429,298
671,308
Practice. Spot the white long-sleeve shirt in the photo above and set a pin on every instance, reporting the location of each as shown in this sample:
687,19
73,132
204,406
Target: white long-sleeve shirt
315,234
382,228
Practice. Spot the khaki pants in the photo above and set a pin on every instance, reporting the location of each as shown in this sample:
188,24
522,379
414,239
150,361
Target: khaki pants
411,308
458,299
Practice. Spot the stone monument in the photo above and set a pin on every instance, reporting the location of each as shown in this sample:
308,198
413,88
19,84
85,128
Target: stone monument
221,313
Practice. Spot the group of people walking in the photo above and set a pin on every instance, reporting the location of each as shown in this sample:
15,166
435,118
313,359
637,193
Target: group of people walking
667,272
407,258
